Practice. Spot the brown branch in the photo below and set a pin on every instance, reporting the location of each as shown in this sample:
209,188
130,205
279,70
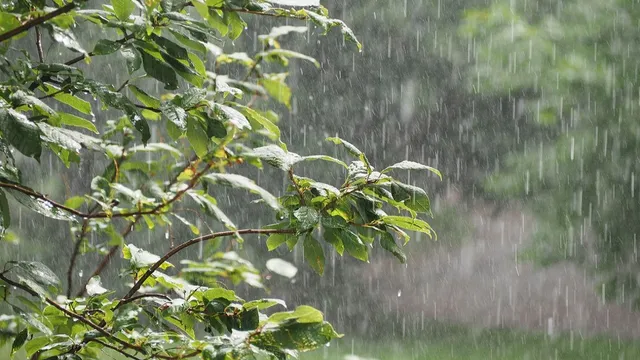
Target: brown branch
295,185
85,226
39,44
141,296
177,357
112,251
37,21
194,241
74,315
18,285
94,326
114,348
98,215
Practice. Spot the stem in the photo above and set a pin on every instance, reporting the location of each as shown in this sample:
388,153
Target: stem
112,251
39,44
295,185
85,227
141,296
37,21
124,353
74,315
94,326
98,215
194,241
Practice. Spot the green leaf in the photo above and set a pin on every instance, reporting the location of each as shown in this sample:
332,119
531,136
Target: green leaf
234,116
303,314
36,344
72,120
159,71
175,114
74,101
194,229
277,89
239,181
295,336
220,293
410,165
275,240
40,206
21,133
67,39
105,47
263,304
172,48
132,58
123,8
307,217
197,137
351,241
255,118
409,224
286,54
74,202
412,196
208,203
332,237
352,150
141,259
236,24
143,97
19,341
313,254
36,276
282,267
190,98
276,156
68,139
388,243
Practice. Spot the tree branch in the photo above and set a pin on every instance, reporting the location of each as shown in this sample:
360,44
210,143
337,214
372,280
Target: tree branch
85,227
39,44
95,326
194,241
141,296
73,315
114,348
112,251
295,185
98,215
37,21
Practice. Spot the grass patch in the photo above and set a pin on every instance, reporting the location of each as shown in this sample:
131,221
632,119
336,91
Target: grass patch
453,343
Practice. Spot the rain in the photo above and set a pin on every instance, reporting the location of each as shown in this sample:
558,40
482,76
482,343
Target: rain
528,109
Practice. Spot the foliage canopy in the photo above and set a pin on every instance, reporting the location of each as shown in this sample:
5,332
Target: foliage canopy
213,113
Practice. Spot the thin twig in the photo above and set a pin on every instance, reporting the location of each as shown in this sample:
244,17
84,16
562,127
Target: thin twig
177,357
94,326
194,241
74,315
295,185
37,21
85,227
141,296
112,251
115,349
39,44
98,215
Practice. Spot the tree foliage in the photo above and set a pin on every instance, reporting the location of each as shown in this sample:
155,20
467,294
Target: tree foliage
578,85
213,115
